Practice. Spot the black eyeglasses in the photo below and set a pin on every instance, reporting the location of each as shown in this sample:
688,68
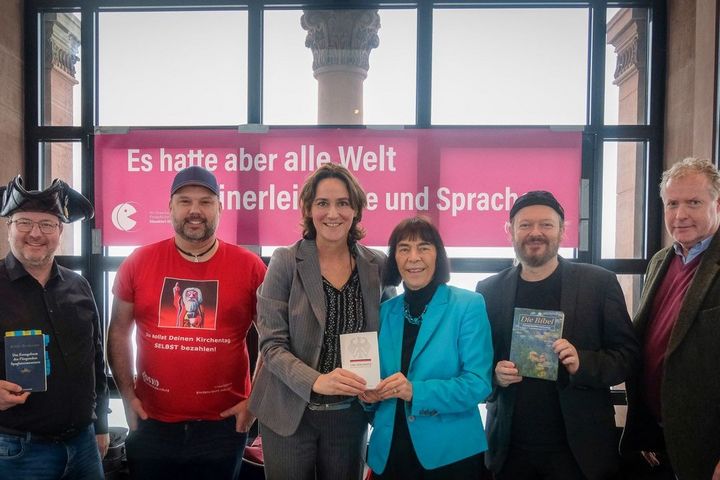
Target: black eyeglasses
25,225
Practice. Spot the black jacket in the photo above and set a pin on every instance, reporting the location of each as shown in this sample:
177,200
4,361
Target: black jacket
597,324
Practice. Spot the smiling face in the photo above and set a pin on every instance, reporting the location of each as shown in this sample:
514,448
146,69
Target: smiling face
195,213
331,211
34,249
536,232
692,214
416,260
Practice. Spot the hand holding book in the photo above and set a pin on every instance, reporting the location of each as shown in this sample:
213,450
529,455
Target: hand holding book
506,373
11,394
568,355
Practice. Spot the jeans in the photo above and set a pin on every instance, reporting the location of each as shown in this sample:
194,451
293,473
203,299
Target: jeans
195,449
30,459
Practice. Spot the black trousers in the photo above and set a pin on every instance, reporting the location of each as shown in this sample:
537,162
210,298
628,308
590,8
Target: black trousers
186,450
540,465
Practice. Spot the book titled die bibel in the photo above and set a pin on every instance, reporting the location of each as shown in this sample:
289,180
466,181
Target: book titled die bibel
26,360
533,334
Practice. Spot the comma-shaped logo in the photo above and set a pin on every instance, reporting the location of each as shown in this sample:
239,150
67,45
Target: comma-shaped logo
122,217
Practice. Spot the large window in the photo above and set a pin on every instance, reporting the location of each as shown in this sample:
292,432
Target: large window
172,68
109,66
510,66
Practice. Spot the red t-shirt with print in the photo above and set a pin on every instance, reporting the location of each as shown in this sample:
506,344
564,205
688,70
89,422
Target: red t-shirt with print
192,319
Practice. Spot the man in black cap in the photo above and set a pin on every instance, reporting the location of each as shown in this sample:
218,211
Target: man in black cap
192,299
562,429
62,431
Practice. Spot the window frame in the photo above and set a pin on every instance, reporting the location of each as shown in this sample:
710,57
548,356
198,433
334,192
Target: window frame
93,262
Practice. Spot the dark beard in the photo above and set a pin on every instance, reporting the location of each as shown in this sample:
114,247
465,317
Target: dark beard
206,234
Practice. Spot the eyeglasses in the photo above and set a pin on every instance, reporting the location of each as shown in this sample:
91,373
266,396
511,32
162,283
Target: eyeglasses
26,226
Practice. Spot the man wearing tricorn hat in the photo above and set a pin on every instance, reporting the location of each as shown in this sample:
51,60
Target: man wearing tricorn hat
563,429
60,432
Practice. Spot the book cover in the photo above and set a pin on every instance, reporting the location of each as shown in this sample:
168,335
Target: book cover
25,360
533,334
359,354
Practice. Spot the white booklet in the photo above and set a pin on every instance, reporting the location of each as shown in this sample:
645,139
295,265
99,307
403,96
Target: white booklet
359,354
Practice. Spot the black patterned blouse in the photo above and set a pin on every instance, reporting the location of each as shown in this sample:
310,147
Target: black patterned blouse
345,314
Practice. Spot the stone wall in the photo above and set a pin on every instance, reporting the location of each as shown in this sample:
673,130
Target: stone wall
11,97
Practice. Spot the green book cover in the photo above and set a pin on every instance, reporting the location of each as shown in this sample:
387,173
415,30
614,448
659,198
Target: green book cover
25,360
533,334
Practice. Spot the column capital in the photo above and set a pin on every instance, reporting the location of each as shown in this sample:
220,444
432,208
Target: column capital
627,32
62,42
341,39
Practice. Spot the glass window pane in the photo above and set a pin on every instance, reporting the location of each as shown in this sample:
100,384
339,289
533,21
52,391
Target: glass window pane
632,288
339,67
63,160
60,73
626,66
510,66
123,251
289,89
173,68
623,212
390,85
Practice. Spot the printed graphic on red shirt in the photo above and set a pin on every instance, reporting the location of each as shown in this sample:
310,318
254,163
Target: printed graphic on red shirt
188,304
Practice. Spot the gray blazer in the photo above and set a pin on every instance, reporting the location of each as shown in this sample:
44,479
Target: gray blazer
291,325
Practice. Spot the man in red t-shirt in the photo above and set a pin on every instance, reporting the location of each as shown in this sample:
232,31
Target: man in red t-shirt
674,403
191,299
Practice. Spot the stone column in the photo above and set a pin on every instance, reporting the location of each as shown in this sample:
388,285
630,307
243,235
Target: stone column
627,32
61,43
341,41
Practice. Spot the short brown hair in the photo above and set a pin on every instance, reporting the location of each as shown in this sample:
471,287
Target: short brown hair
418,227
358,199
690,166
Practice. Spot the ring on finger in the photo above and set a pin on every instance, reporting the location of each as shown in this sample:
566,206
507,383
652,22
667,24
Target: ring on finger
396,391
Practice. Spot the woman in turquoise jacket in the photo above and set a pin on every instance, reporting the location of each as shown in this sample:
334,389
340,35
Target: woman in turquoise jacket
436,364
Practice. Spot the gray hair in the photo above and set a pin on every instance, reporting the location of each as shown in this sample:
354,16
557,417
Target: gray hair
690,166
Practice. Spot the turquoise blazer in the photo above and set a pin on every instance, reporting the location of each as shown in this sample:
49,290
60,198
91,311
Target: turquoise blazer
450,371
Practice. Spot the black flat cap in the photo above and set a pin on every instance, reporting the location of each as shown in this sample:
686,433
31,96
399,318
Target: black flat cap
537,197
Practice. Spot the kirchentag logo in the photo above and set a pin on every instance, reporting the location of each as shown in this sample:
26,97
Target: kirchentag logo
122,216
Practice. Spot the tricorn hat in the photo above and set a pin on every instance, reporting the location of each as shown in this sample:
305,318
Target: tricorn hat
57,199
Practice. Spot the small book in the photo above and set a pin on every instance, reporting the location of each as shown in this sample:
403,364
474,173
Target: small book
533,334
26,359
359,354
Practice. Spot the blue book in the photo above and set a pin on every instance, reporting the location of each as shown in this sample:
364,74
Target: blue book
533,334
26,359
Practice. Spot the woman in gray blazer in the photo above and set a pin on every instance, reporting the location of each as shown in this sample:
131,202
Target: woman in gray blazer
326,284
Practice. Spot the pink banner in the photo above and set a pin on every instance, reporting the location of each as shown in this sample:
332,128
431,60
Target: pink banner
465,179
